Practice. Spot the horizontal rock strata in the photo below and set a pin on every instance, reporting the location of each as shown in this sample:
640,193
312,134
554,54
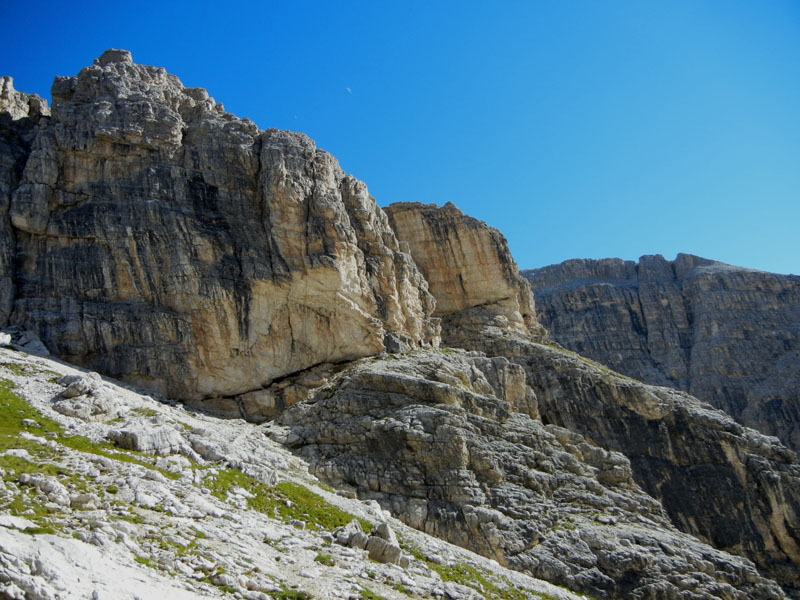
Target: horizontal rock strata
431,438
722,482
727,335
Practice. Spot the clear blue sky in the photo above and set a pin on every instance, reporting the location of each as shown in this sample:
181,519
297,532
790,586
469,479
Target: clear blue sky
580,129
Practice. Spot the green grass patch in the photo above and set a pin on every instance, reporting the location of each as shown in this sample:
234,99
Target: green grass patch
146,561
15,412
109,450
145,412
26,370
286,501
325,559
289,594
37,530
367,594
489,585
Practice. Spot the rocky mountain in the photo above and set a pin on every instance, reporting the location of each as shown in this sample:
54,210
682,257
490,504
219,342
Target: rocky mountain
727,335
152,237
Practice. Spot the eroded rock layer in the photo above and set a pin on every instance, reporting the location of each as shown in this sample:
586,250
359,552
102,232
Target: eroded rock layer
719,481
434,437
19,116
150,235
727,335
161,240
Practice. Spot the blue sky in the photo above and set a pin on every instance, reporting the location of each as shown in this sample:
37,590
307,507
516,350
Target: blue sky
580,129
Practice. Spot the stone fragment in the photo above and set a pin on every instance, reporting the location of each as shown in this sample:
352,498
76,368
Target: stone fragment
385,532
49,486
161,440
382,551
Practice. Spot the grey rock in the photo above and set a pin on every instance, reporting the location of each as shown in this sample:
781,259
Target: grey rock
385,532
413,431
727,335
152,440
49,486
382,551
718,480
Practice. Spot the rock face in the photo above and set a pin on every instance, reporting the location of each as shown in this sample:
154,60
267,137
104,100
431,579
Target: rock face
19,116
163,241
722,482
436,441
469,270
78,521
727,335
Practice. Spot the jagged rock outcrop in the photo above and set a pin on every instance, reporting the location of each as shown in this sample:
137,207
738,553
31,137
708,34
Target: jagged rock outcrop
678,452
151,236
722,482
469,270
727,335
432,439
161,240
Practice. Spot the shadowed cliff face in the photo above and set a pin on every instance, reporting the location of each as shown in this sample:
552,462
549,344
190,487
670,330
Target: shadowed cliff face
158,239
19,117
727,335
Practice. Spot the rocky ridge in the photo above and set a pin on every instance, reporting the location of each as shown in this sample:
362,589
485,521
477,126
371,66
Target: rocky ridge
469,270
727,335
155,237
431,437
728,485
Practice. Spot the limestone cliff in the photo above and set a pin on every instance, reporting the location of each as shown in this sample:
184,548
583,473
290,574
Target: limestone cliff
159,239
469,270
722,482
19,116
727,335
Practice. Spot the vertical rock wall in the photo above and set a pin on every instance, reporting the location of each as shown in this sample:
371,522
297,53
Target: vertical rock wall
19,117
163,241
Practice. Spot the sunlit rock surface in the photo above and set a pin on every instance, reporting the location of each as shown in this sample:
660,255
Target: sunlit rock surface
159,239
